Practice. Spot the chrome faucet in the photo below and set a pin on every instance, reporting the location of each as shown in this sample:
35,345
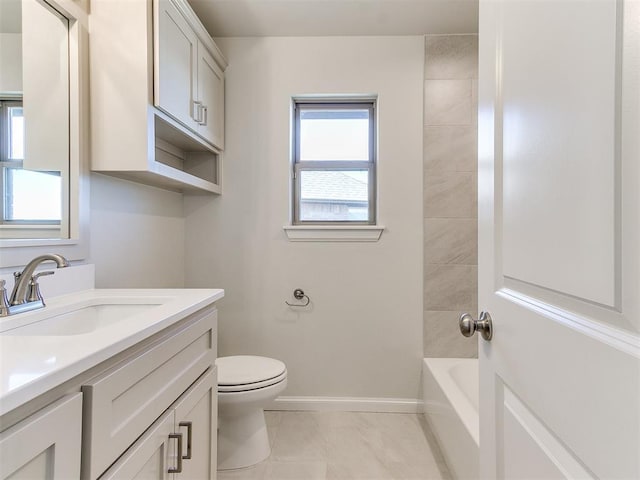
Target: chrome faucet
26,290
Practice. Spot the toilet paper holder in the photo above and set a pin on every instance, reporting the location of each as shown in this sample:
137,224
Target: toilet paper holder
299,294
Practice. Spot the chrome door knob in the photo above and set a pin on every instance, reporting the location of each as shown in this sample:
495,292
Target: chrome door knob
469,326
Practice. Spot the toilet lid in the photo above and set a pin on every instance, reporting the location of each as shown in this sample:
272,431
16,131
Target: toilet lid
252,386
247,369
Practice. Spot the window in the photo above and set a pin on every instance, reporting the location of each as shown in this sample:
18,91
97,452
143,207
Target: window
334,163
26,195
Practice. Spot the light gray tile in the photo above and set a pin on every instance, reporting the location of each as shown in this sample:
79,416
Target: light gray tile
255,472
434,447
442,337
358,471
451,240
316,470
451,56
330,421
448,102
451,149
450,287
452,194
299,438
356,445
406,450
356,453
272,419
380,446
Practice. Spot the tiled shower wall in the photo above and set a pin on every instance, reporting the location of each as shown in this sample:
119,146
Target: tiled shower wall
450,193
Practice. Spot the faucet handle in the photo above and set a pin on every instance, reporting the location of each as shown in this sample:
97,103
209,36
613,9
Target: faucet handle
34,278
4,301
33,289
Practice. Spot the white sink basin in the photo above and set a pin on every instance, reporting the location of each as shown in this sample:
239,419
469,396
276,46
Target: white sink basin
82,320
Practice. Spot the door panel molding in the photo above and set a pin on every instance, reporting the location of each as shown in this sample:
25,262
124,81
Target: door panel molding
620,340
570,307
600,281
526,436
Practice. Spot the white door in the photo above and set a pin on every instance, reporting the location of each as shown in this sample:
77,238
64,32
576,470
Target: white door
559,236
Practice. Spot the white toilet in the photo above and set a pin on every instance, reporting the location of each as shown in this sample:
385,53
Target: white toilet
246,384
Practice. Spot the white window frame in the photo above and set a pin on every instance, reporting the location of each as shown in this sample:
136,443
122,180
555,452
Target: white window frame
299,166
7,163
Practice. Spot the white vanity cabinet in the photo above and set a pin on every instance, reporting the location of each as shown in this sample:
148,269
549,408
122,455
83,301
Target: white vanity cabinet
139,409
120,398
45,445
189,81
181,443
157,95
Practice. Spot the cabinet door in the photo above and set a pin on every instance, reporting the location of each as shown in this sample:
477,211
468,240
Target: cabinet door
175,64
211,94
150,457
197,417
46,445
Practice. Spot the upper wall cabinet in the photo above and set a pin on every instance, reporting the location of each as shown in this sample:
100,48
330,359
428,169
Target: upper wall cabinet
157,95
189,83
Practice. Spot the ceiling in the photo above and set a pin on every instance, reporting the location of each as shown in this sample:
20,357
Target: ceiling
257,18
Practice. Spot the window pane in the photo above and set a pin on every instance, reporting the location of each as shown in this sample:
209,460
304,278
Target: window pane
338,134
33,195
334,196
16,133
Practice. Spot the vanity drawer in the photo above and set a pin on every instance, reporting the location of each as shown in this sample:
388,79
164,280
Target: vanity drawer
122,403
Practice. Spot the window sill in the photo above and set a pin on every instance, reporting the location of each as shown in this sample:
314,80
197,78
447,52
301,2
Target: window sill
333,233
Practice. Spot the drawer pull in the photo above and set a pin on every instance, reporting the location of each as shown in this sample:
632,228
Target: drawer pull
205,116
195,111
189,426
178,437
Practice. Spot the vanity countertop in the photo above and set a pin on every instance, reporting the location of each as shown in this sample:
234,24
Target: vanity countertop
40,350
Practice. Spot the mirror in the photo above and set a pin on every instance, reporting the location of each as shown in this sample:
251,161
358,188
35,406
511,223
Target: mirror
34,121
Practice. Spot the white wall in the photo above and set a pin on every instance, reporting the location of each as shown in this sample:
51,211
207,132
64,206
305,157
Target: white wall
362,337
11,61
137,235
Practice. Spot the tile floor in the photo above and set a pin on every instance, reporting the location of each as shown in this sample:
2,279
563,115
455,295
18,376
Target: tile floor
347,446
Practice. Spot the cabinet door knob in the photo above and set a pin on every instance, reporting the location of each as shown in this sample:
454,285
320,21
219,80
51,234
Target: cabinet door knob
189,426
178,469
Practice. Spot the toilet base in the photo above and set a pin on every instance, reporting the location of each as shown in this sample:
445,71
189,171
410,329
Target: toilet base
242,440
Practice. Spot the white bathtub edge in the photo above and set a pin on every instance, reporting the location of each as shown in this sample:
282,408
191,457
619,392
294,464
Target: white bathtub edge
452,417
467,412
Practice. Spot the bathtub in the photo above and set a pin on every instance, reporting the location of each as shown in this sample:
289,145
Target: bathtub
451,407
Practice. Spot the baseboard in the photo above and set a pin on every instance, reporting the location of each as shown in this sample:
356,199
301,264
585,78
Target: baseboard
348,404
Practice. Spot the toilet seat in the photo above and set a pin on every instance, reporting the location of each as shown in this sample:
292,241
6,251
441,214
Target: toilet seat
241,373
252,386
